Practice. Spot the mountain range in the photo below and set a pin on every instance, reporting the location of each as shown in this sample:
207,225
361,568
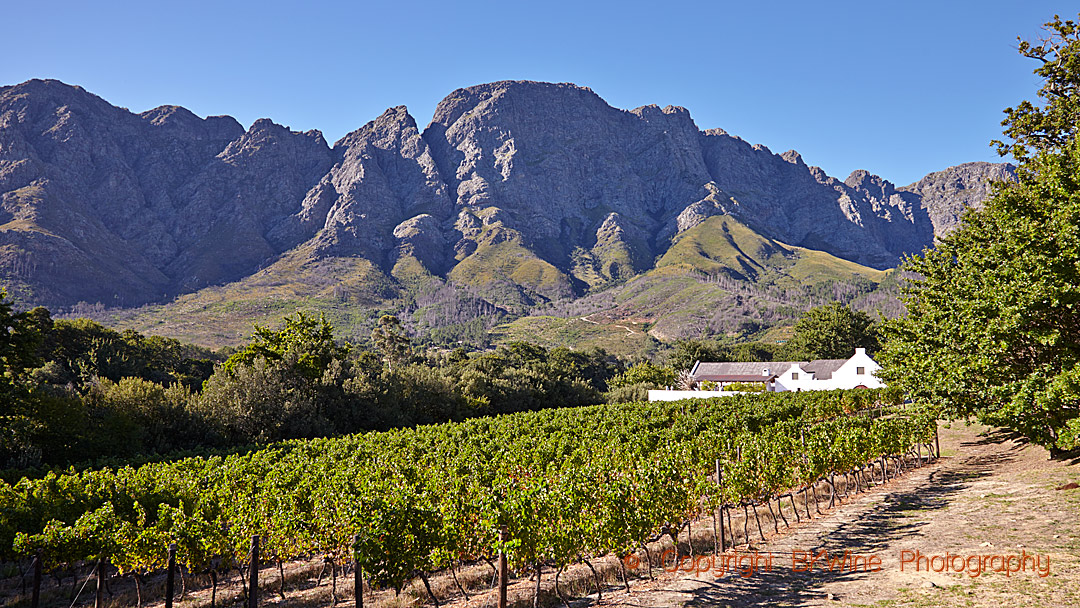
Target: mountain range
517,195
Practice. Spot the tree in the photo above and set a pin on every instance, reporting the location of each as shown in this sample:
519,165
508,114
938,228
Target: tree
286,383
20,336
644,373
390,340
686,352
832,331
993,324
307,341
1053,126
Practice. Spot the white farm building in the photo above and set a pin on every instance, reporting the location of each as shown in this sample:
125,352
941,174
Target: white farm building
778,376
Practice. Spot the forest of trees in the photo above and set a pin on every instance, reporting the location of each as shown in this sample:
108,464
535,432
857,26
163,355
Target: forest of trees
74,391
77,392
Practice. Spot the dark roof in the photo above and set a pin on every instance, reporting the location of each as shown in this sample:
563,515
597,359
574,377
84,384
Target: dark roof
823,368
734,377
702,370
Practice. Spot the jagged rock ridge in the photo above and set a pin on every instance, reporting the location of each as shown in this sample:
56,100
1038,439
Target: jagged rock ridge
542,189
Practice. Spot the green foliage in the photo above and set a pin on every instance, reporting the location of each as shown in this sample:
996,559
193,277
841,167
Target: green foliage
566,482
390,340
522,376
136,416
265,401
832,331
757,351
1052,126
745,387
686,352
646,373
993,324
83,392
83,350
308,344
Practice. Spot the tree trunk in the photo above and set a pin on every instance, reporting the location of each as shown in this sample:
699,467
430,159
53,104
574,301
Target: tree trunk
281,579
648,558
625,577
780,511
453,573
427,584
596,578
333,582
494,573
758,520
536,590
775,525
746,524
690,536
730,527
558,591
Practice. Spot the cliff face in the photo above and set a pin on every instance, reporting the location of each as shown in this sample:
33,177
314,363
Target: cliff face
542,187
99,204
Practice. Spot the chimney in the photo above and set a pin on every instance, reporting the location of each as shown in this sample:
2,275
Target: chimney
860,351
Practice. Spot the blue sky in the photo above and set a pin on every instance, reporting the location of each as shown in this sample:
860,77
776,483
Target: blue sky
898,88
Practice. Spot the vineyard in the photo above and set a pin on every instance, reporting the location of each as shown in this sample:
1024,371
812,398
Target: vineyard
566,484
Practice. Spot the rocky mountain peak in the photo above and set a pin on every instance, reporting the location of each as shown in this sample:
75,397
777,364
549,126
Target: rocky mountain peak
542,186
871,184
945,195
793,157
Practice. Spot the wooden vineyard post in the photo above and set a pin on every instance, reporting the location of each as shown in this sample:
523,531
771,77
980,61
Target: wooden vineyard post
358,574
937,443
98,601
170,576
253,585
35,596
504,536
719,482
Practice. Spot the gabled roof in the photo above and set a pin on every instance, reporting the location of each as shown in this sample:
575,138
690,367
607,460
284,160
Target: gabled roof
706,371
736,378
823,368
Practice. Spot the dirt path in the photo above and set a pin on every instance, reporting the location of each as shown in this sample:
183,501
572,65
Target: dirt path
988,495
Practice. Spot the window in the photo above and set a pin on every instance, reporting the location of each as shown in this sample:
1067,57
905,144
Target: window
859,371
794,375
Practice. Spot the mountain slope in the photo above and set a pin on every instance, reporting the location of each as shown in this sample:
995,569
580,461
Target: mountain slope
517,193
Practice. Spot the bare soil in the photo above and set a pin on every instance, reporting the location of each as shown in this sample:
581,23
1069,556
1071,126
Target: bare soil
990,494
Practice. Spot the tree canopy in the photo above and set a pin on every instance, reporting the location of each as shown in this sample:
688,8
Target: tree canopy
832,331
993,324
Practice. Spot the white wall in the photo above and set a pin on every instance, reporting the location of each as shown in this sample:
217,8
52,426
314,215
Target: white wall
845,377
663,395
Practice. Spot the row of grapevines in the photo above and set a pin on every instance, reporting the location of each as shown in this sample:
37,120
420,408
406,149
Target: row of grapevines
566,483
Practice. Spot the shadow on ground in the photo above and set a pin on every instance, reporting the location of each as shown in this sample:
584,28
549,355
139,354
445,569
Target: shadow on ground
869,532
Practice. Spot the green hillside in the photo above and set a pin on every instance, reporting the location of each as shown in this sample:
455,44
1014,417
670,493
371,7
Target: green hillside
348,291
722,244
718,278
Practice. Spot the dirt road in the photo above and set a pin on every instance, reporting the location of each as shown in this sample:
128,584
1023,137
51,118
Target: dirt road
989,495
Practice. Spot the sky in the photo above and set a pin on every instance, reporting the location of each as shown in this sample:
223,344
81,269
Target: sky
897,88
